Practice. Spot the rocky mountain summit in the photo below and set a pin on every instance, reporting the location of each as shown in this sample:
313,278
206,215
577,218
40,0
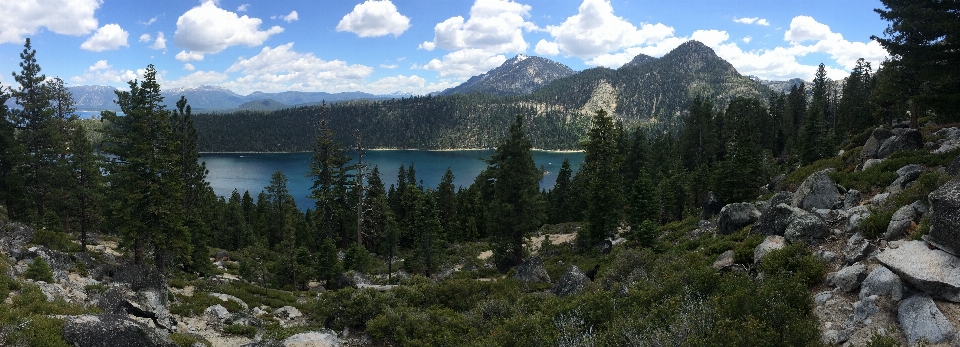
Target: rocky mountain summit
517,76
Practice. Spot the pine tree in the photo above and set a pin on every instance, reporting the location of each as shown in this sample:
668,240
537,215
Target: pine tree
86,182
376,212
561,195
146,202
328,266
329,180
516,208
446,198
11,155
425,258
601,167
280,203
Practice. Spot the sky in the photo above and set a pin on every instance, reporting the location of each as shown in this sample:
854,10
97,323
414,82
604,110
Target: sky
417,46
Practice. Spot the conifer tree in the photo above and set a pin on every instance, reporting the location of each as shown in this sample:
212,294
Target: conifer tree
329,185
11,155
376,211
280,205
427,239
146,202
516,207
86,184
601,168
561,196
446,198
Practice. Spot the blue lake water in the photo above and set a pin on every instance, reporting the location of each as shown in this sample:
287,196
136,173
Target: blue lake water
252,171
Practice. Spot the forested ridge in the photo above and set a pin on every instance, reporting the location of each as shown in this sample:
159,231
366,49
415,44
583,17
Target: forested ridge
656,92
408,265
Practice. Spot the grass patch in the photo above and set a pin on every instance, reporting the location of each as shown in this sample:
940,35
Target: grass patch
30,313
187,340
241,330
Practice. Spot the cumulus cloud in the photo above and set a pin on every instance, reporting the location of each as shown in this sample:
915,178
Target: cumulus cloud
196,79
189,67
160,43
188,56
292,17
210,29
545,47
22,18
752,20
150,21
243,8
495,26
391,66
108,37
465,63
145,38
103,72
374,19
595,30
281,68
805,28
747,39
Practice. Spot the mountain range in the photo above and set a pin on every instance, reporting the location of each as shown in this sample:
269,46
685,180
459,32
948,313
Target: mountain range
477,114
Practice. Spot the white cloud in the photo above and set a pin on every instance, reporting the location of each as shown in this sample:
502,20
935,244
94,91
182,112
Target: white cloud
747,39
101,72
292,17
185,56
465,63
189,67
108,37
22,18
399,83
160,43
374,19
804,28
243,8
391,66
281,68
151,21
752,20
210,29
595,31
145,38
195,79
545,47
495,26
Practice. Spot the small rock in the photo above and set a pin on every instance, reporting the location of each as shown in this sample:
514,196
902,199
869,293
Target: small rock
861,252
855,216
806,227
822,297
879,199
817,191
902,220
769,244
735,216
287,312
870,162
217,311
572,282
312,339
882,281
826,256
724,261
921,319
849,278
852,199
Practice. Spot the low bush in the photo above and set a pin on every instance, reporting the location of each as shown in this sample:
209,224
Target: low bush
188,340
795,261
241,330
876,224
39,270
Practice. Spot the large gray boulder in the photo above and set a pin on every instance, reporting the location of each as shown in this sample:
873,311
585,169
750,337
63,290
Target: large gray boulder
806,227
781,197
13,237
817,191
921,319
774,221
849,278
905,175
930,270
882,281
945,217
139,277
873,143
572,282
901,140
953,168
108,330
769,244
312,339
532,270
903,219
852,199
735,216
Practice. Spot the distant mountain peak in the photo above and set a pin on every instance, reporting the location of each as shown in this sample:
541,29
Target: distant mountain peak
640,59
519,75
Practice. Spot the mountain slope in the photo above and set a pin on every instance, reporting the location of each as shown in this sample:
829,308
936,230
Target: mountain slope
517,76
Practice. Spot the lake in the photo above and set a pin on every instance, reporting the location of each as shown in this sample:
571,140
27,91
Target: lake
252,171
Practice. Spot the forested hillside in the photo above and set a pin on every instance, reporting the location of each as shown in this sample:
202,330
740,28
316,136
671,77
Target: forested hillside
657,91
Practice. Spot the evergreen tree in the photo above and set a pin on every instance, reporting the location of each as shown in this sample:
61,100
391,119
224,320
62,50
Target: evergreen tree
280,205
601,167
328,265
446,198
698,139
856,110
38,133
146,206
516,208
561,195
86,184
11,155
643,201
425,258
329,185
739,175
796,112
376,211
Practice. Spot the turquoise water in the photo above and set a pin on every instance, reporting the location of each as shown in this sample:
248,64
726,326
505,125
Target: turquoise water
252,171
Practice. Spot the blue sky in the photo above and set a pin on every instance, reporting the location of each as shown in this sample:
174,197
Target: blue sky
417,46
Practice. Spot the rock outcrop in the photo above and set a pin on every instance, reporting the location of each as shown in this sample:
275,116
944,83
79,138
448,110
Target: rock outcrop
882,281
532,270
312,339
945,217
849,278
921,319
109,330
769,244
883,142
930,270
903,219
735,216
817,191
572,282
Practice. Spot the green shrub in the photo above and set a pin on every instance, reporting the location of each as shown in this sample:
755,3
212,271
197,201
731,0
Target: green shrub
240,329
876,224
795,261
55,240
743,253
923,229
39,270
797,176
196,304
